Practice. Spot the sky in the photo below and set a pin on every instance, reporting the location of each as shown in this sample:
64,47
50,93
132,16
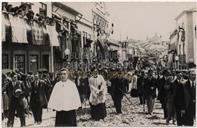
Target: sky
138,20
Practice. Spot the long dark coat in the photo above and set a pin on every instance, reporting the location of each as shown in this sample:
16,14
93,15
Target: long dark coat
165,90
38,94
189,93
150,87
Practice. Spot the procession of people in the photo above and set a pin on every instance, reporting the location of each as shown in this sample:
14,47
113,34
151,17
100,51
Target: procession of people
24,94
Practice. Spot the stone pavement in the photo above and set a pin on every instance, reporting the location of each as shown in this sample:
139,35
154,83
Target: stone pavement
133,115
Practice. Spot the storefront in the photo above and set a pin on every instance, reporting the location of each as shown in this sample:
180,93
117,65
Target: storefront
29,45
26,58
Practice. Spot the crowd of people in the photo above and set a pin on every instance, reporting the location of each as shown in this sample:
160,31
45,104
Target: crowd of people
25,94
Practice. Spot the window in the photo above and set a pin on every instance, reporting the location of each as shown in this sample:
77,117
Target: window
33,63
45,62
43,9
5,62
84,38
20,62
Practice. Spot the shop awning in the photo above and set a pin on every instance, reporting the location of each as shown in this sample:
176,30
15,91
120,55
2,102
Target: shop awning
5,24
18,26
53,36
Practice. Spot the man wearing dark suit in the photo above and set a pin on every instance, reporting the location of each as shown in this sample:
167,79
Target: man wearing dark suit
150,91
179,101
140,87
16,94
38,98
163,91
190,98
117,91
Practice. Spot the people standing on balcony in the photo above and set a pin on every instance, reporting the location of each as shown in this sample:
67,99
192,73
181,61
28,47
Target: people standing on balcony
38,99
98,90
65,101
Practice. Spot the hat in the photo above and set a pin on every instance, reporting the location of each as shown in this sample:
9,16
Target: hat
130,73
30,73
30,13
13,73
166,72
150,71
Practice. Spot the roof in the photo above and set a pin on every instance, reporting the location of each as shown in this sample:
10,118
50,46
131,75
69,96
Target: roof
66,8
185,11
113,42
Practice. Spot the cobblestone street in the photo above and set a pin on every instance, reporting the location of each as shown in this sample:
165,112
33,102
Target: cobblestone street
133,115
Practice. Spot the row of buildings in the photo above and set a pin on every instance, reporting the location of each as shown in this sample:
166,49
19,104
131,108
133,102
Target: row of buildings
49,35
182,49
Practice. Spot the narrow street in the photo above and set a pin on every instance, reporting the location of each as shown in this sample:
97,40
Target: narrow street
133,115
56,54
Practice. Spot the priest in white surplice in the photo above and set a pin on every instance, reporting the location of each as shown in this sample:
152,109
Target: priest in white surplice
98,91
65,100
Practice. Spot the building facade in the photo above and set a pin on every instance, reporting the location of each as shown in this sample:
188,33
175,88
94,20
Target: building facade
26,42
69,36
57,34
185,22
85,27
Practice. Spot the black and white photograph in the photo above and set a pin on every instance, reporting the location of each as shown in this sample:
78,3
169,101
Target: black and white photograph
98,63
